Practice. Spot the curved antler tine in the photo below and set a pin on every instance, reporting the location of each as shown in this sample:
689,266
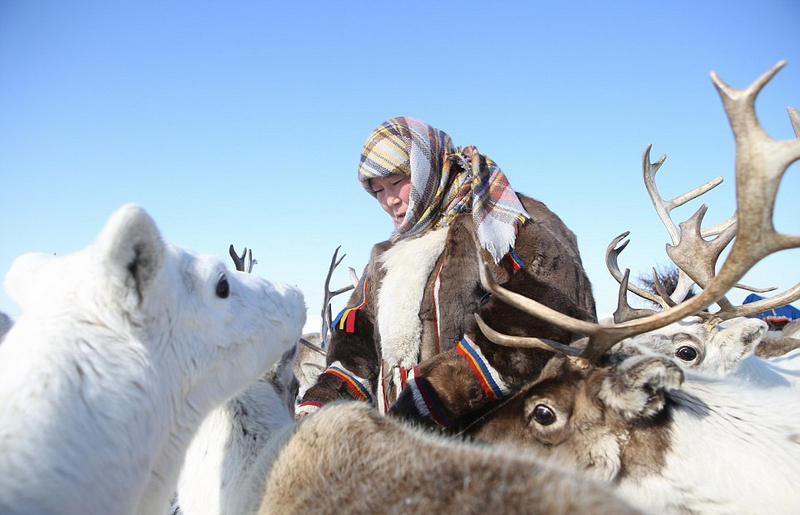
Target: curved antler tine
697,256
313,347
754,289
250,261
624,311
741,102
649,173
693,194
523,341
612,253
794,117
718,228
776,301
328,295
760,164
533,307
659,286
238,261
663,209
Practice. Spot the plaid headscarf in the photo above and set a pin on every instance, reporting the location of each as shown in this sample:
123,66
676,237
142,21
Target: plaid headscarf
445,181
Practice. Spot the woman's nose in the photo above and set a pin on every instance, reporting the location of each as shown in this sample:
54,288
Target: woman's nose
392,196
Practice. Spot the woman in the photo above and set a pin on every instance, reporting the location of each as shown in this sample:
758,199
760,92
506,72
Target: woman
408,341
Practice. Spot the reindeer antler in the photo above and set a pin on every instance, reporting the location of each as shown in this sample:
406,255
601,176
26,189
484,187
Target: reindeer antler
760,164
239,261
693,254
327,318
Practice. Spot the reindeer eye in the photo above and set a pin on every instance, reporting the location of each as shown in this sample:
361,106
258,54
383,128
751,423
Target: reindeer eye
686,353
223,288
543,415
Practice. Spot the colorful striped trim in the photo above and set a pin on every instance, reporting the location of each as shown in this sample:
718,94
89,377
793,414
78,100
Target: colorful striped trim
346,319
515,261
353,382
488,377
424,400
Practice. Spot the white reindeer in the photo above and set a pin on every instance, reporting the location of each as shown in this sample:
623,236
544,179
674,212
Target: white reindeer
720,350
121,351
709,347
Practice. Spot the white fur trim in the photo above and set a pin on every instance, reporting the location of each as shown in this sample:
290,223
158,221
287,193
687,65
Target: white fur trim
408,265
437,283
382,407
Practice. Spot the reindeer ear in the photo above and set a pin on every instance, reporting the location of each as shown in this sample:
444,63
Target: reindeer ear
130,251
743,332
636,387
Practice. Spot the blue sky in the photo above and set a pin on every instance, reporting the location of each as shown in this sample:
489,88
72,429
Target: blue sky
241,122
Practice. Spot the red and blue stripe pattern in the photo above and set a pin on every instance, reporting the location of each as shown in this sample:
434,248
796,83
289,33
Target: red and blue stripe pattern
353,382
487,376
346,319
515,261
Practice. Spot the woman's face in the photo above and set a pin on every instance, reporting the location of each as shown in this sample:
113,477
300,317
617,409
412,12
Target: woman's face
392,194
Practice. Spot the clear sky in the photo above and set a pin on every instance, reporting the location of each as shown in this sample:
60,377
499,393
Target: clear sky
241,122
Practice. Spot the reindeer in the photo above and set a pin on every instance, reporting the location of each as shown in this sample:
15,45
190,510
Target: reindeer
670,440
251,456
724,349
121,351
396,468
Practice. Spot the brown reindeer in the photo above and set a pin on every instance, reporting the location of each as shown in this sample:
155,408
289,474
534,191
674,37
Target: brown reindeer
672,442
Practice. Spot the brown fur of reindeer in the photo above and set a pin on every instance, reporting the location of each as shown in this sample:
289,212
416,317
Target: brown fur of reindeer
388,467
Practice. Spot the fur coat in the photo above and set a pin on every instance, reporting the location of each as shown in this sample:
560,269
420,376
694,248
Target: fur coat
408,341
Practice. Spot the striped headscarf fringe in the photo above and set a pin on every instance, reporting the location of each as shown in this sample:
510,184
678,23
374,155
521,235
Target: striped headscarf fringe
445,181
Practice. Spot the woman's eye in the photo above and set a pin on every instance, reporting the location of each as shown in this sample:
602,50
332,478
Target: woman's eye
686,353
223,288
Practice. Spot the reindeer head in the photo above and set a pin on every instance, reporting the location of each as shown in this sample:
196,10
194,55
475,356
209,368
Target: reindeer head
591,415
